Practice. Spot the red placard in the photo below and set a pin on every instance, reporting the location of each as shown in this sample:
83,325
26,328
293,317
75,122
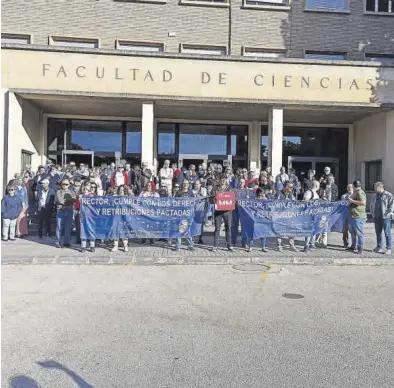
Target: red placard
225,201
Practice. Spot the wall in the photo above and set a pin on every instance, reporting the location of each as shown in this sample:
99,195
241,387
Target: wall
370,142
388,172
24,133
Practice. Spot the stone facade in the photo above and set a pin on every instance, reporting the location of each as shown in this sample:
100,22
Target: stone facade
173,23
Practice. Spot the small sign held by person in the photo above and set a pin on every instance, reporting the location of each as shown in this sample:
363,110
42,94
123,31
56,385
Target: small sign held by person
225,201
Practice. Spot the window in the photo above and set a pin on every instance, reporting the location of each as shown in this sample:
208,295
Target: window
239,140
265,3
15,39
74,42
384,58
203,50
133,138
166,139
324,55
263,53
139,46
326,4
379,6
26,159
373,173
205,1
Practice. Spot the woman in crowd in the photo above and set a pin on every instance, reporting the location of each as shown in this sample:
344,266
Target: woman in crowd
21,222
123,190
263,240
147,193
11,207
311,195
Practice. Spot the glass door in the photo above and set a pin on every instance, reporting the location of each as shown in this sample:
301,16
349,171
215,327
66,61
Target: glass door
301,165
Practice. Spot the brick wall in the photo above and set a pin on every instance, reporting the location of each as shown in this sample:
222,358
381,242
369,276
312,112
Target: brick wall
295,30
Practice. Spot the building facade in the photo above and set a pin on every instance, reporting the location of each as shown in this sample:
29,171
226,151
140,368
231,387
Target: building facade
305,84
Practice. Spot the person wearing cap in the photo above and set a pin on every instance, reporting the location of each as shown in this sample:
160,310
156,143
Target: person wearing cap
357,205
45,204
382,211
119,177
11,207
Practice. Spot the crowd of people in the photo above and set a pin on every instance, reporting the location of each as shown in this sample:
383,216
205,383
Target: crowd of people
54,188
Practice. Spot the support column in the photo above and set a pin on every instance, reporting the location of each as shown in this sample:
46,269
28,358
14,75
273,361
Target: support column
4,138
351,176
254,146
147,154
275,139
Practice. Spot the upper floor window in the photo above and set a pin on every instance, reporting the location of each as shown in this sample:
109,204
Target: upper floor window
203,50
380,6
263,53
139,46
326,4
384,58
324,55
15,39
73,42
268,3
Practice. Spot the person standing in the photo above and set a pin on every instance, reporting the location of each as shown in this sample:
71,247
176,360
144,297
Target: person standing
65,199
263,240
281,179
123,191
357,204
45,204
222,215
382,211
241,193
200,192
166,175
308,181
120,177
149,192
21,222
11,207
345,233
311,195
287,195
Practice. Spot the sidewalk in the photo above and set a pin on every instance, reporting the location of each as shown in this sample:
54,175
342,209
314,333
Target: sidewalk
33,250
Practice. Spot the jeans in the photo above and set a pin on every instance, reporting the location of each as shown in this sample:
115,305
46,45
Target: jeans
219,217
345,234
234,229
356,228
310,242
263,241
383,225
64,220
189,242
44,218
9,227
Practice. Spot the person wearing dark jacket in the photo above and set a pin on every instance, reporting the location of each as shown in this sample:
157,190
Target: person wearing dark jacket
222,216
45,204
185,192
11,207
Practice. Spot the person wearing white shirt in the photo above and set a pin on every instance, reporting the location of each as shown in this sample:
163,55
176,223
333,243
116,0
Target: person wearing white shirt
311,195
166,175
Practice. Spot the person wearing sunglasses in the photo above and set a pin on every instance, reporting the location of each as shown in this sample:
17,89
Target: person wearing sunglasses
11,207
65,198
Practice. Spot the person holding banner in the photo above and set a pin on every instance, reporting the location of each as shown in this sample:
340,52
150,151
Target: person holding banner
281,179
149,191
186,192
357,204
345,233
311,195
123,190
200,192
222,214
259,195
287,195
242,193
166,175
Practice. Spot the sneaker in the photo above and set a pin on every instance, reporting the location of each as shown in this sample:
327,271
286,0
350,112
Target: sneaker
177,249
4,239
378,250
306,250
264,250
67,245
92,249
230,248
358,251
293,248
388,252
214,249
83,250
248,248
126,248
12,239
152,242
114,249
313,246
350,249
57,245
190,248
280,248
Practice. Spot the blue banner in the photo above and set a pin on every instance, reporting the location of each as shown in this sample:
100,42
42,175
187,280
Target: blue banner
137,217
271,218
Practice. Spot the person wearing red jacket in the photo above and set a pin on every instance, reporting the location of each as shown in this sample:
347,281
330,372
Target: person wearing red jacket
119,177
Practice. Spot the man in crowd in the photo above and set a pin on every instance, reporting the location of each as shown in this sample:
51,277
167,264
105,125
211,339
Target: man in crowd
357,203
41,174
382,211
185,192
287,194
281,179
252,182
11,207
307,182
119,177
324,177
45,204
54,178
345,234
220,215
146,174
65,199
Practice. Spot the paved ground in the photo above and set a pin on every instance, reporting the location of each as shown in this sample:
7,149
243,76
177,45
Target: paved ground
197,326
35,251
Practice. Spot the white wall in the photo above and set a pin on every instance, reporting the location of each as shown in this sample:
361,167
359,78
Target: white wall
24,133
388,168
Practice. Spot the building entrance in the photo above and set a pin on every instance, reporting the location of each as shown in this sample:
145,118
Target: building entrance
301,165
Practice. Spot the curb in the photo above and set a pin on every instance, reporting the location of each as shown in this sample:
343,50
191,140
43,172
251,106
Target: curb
147,261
